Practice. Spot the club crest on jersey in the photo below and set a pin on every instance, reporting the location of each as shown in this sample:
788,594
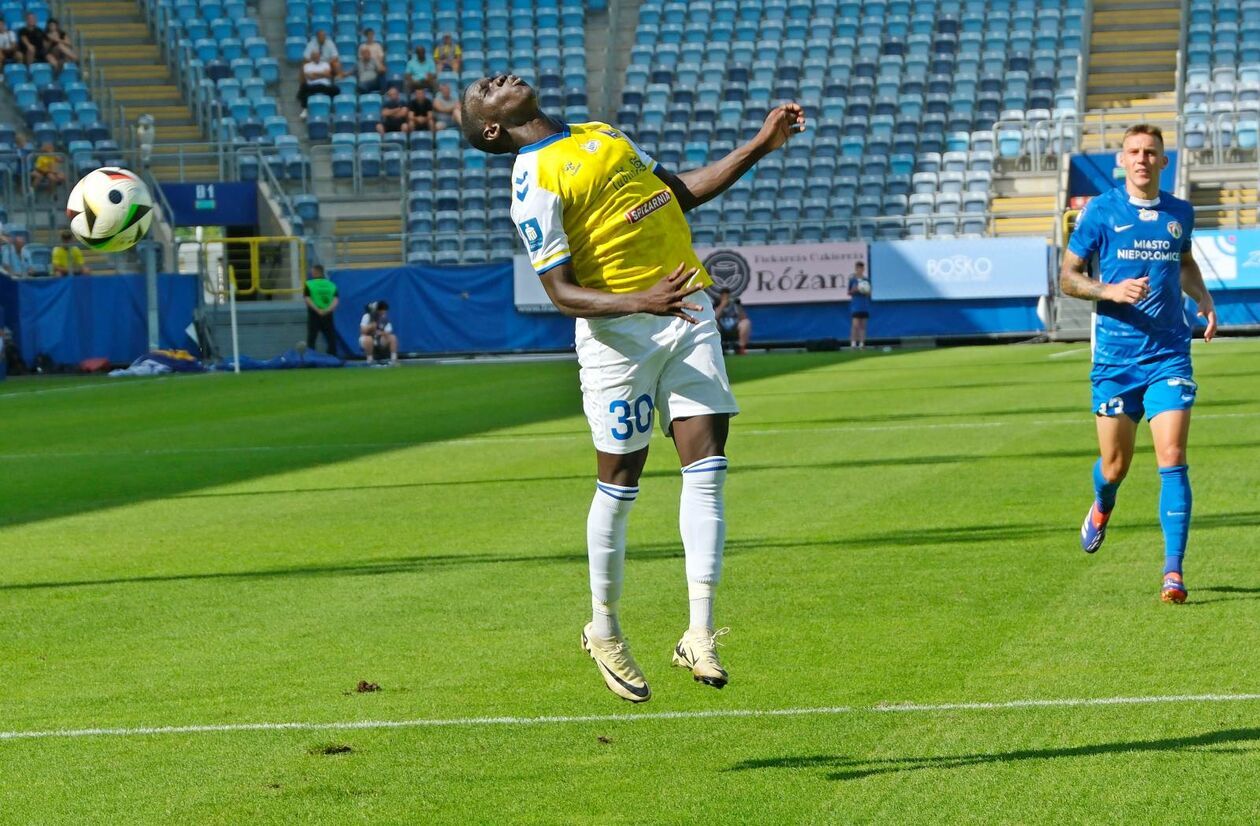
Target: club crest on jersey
1174,229
591,146
1148,215
649,206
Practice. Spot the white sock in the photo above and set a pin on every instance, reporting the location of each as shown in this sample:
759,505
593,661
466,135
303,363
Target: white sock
700,595
702,523
606,553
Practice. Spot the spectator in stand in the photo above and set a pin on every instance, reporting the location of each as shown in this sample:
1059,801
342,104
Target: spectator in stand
67,258
376,333
317,79
46,171
394,114
733,322
13,258
448,55
321,301
446,107
9,49
371,68
320,47
421,112
33,41
59,44
421,71
369,73
859,306
22,146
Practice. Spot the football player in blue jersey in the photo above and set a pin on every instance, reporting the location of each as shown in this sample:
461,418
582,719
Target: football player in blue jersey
1141,337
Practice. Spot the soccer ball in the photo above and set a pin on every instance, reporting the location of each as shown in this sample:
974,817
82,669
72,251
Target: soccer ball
863,286
110,209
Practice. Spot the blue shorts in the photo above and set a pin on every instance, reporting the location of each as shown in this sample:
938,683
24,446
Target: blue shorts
1143,389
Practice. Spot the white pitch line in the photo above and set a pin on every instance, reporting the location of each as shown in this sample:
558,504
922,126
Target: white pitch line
1066,353
457,722
525,438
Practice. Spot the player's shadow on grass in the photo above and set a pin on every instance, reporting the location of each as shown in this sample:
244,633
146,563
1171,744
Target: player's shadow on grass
1233,592
852,768
842,464
412,564
977,415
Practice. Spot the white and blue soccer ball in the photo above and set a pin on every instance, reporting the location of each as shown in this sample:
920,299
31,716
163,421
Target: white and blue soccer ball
110,209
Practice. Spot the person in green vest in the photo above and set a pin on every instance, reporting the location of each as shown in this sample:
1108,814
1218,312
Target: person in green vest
321,301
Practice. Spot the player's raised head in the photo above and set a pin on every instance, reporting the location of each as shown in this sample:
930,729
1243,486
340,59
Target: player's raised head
492,107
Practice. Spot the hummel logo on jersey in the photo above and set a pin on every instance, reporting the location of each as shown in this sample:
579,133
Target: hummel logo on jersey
1123,228
524,190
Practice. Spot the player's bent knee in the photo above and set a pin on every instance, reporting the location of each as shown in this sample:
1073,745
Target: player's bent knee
1170,456
1115,468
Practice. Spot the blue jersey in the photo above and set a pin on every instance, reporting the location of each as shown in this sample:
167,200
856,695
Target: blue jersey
1136,238
858,302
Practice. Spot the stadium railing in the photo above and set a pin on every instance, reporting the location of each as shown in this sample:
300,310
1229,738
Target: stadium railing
258,266
338,251
15,183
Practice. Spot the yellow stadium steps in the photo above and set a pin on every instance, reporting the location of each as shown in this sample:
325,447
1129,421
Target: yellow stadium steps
1129,38
1010,215
359,242
117,39
1147,18
367,226
1207,198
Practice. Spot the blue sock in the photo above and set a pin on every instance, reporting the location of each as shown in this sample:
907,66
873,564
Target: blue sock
1174,514
1104,491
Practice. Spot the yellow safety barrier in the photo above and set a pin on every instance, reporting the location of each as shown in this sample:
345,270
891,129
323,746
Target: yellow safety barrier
272,264
1069,220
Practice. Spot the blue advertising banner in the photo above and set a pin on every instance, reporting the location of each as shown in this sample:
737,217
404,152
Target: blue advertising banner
1095,173
977,268
213,204
460,309
72,319
1229,258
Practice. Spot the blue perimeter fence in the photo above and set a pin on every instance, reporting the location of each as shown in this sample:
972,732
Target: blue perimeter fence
472,309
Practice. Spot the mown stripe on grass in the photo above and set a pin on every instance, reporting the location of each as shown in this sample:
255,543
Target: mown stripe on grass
454,722
526,438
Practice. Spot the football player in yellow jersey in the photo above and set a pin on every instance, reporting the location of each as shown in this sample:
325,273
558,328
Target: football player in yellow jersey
604,227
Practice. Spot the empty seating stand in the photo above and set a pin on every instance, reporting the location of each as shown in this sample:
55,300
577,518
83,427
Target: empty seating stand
892,89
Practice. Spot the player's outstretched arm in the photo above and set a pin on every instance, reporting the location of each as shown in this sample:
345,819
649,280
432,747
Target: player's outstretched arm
694,187
1193,286
1074,280
667,297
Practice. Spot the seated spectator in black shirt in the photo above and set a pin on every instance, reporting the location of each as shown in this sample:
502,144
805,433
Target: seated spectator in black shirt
421,109
394,115
33,41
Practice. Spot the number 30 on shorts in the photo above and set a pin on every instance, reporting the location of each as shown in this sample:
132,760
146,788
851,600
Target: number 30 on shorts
631,416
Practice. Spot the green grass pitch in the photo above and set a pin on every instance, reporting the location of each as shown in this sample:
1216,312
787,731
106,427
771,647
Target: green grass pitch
903,529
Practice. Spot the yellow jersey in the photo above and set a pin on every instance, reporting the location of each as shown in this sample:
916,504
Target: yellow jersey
589,196
67,258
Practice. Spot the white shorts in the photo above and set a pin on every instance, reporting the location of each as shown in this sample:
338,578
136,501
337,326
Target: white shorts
635,365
